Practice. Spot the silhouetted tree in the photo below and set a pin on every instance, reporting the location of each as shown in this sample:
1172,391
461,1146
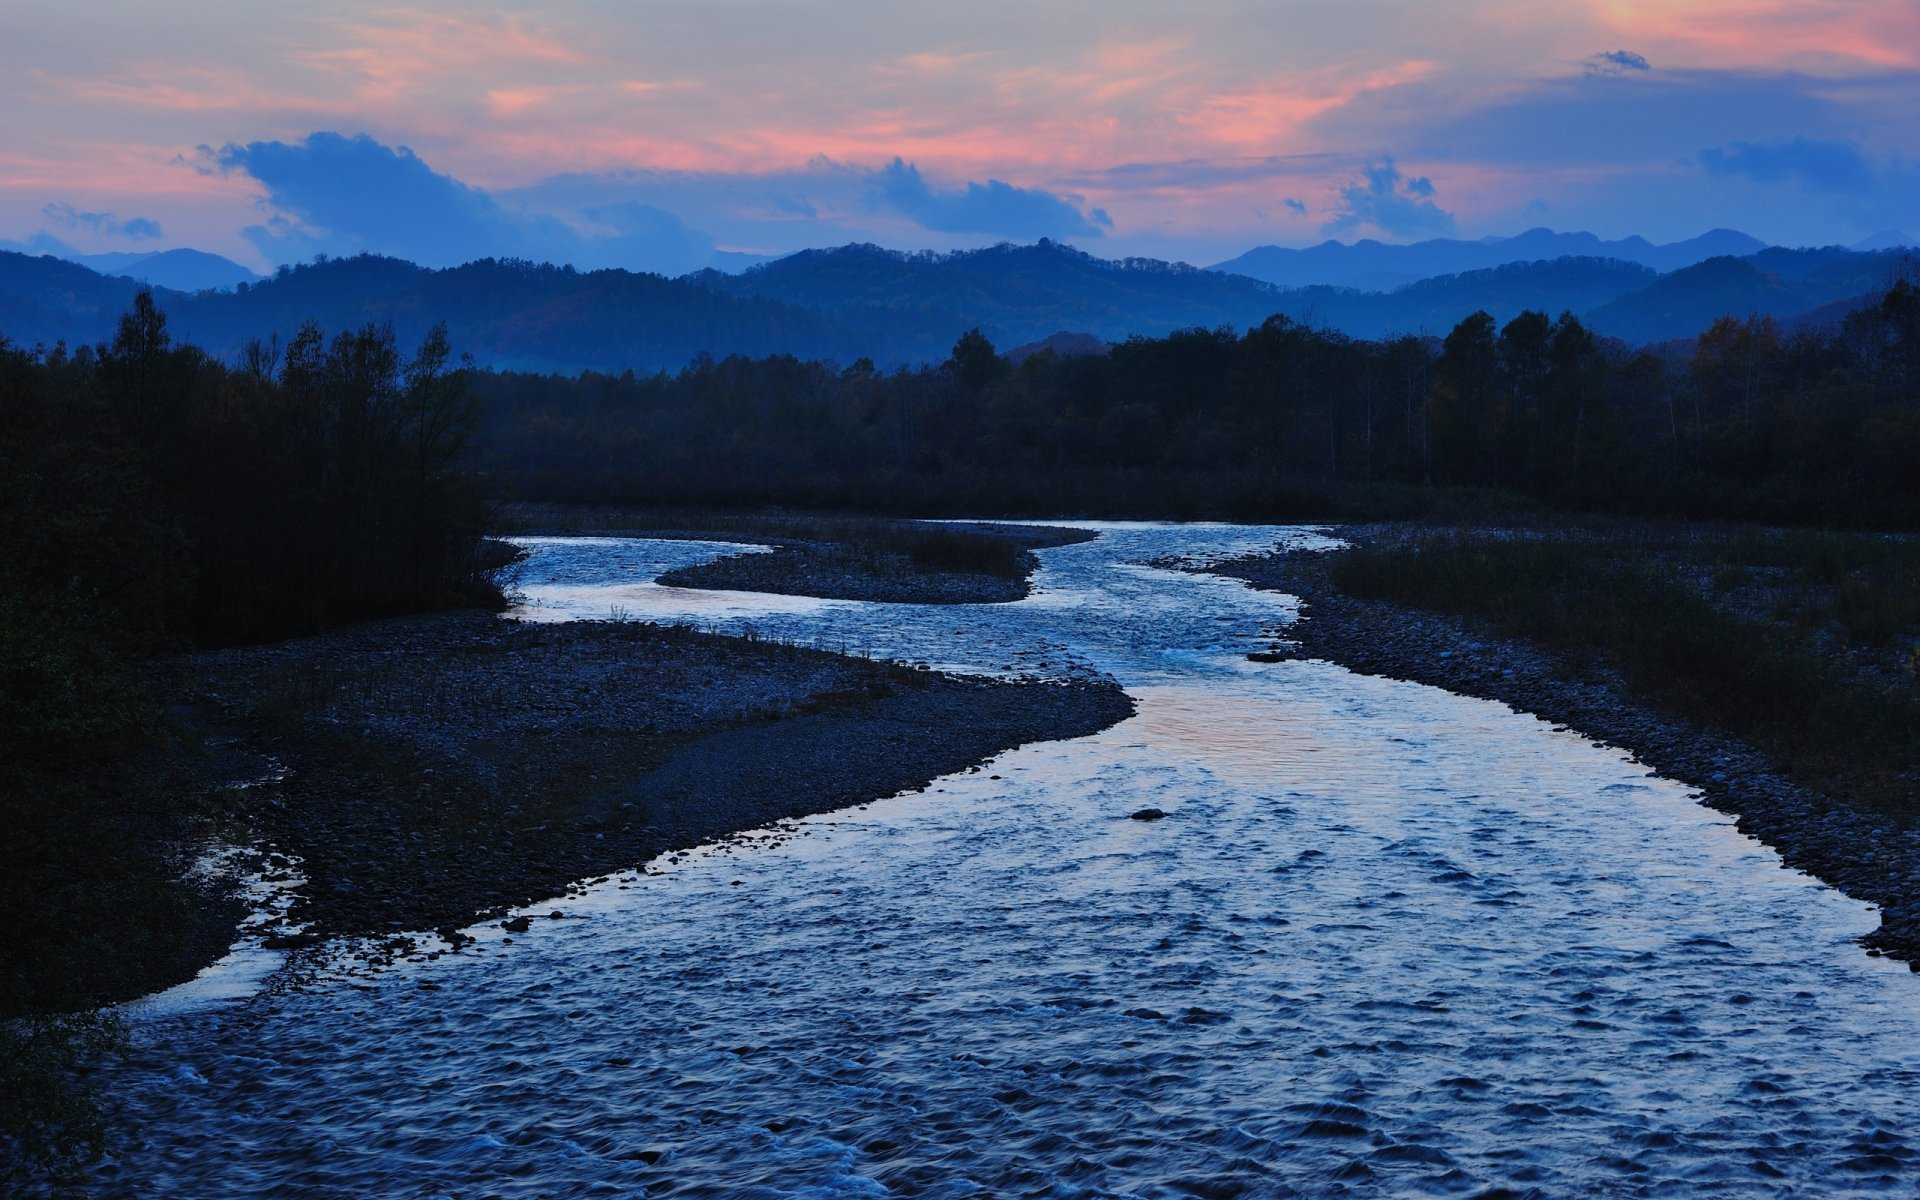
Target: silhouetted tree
974,362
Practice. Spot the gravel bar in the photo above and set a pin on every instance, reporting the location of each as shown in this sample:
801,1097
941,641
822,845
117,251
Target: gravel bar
430,771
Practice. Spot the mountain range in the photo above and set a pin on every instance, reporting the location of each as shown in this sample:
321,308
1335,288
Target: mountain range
900,308
181,270
1377,266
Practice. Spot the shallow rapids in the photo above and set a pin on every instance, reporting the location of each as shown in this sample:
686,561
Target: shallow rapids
1388,941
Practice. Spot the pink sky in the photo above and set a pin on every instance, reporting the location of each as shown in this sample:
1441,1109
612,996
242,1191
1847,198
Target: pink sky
1198,130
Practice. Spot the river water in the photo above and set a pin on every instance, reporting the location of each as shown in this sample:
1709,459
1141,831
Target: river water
1389,941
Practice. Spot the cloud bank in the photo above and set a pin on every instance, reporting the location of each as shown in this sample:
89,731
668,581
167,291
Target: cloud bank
1190,125
330,193
1616,62
994,208
343,195
1385,201
1824,166
104,224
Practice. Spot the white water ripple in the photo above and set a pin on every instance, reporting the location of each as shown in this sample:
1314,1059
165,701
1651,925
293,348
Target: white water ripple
1389,941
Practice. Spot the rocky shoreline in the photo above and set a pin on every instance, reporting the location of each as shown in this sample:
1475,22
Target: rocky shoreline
428,772
1865,854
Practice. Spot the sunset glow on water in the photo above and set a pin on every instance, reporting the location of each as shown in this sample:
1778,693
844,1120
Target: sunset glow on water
1387,941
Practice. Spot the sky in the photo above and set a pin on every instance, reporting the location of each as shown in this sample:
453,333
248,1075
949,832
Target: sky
664,135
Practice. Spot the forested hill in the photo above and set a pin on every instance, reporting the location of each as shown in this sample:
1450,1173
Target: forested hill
900,309
1780,283
1433,306
1379,266
1752,421
45,299
505,313
919,302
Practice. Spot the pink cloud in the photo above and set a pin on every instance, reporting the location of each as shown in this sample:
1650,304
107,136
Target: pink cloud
502,94
181,89
1745,34
1269,117
399,53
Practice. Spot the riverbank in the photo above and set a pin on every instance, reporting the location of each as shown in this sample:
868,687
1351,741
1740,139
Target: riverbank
828,556
431,771
1866,851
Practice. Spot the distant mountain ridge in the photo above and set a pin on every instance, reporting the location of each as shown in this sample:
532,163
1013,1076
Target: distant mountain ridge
899,308
1378,266
505,313
1015,293
182,270
1779,283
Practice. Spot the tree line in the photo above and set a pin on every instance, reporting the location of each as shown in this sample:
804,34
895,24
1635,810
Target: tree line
1752,420
151,499
210,503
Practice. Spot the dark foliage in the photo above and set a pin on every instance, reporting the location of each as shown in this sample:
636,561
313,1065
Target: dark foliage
1818,426
152,498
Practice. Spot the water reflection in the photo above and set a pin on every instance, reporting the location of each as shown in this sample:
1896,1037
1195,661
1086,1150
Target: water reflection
1389,941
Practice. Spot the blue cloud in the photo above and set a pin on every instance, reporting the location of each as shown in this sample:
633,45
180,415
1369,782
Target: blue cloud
40,244
103,223
1826,166
630,231
1616,62
992,208
342,195
1297,207
1384,200
1594,120
347,194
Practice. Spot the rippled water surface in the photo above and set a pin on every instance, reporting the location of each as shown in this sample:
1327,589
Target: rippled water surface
1389,941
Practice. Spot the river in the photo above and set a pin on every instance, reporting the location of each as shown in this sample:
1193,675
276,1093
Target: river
1388,941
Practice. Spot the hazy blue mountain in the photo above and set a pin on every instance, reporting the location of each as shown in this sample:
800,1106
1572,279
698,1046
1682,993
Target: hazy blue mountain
917,305
183,270
1886,239
1377,266
44,300
515,314
1829,317
508,314
1065,344
854,301
1436,305
1019,294
732,262
1777,283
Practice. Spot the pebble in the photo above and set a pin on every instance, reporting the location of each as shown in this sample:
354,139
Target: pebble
386,847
